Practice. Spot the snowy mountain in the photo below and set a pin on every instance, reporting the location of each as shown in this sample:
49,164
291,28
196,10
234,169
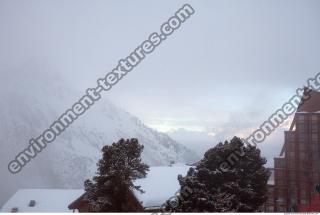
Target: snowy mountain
32,99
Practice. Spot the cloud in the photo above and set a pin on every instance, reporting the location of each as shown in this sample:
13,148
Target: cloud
224,72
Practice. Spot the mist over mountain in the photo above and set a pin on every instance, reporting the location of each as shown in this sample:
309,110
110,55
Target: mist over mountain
34,96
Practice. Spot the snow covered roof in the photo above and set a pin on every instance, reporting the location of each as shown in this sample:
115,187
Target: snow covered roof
46,200
161,184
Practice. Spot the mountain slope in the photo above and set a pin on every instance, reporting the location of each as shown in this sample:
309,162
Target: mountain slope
31,100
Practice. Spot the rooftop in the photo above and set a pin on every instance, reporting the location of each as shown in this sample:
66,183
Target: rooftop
44,200
161,184
312,104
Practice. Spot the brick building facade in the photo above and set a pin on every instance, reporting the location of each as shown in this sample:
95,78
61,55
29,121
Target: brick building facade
297,169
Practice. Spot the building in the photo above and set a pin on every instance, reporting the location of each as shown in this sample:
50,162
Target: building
297,169
313,206
269,205
132,203
160,185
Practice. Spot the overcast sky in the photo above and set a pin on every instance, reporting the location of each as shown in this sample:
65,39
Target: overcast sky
225,71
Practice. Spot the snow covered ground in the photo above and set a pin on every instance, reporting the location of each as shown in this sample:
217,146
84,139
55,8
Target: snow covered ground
160,184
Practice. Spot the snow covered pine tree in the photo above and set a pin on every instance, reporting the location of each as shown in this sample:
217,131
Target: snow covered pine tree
119,167
242,187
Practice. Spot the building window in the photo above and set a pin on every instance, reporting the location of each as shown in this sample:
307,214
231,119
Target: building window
290,136
32,203
280,183
281,208
315,147
292,184
302,127
301,118
291,146
280,200
294,193
293,200
315,152
270,209
305,177
292,175
280,163
314,128
314,118
315,177
292,165
282,192
303,165
14,210
302,146
280,174
303,156
316,166
302,136
303,192
314,140
314,137
291,155
304,201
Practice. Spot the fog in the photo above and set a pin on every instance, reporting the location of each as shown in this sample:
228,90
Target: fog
224,72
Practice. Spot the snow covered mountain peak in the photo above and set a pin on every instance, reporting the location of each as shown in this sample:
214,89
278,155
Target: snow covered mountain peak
29,105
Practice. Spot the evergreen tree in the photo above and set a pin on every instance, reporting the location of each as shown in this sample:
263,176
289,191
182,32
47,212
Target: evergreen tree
230,178
119,167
